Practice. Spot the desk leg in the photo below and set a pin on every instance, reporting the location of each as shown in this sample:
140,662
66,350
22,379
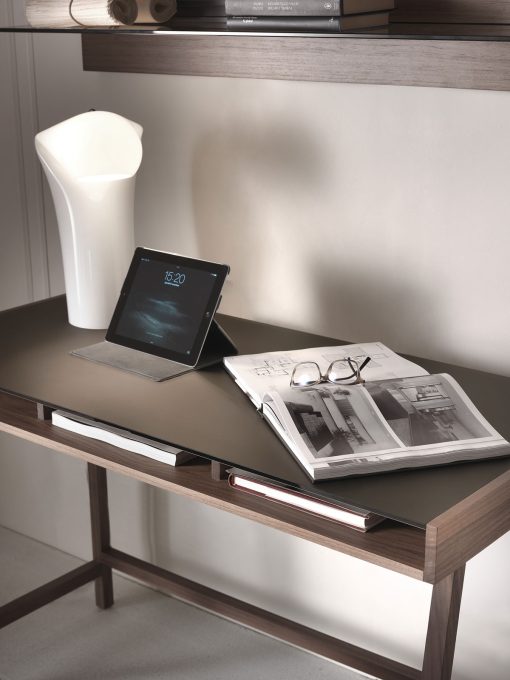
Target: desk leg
442,630
100,523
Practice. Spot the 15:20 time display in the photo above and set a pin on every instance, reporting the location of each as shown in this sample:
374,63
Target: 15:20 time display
174,278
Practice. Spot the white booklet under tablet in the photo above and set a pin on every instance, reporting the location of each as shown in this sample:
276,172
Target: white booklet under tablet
163,324
123,439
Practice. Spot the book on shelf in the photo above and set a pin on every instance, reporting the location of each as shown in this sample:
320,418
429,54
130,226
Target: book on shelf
362,520
123,439
307,23
400,417
201,8
453,11
314,8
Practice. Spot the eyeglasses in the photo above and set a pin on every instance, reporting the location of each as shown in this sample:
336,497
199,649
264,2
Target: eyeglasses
340,372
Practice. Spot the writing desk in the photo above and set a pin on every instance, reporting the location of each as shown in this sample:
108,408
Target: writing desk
439,518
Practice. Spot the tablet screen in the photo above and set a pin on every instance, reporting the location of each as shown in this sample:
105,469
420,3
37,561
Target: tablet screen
167,304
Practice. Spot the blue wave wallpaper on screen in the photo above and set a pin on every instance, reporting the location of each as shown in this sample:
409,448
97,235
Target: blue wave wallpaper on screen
165,306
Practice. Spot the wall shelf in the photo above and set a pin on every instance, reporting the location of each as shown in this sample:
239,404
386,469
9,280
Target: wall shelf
384,60
474,54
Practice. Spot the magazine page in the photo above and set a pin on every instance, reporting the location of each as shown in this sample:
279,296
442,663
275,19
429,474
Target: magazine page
387,424
258,374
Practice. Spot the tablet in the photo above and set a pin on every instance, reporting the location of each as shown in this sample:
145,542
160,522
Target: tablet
167,304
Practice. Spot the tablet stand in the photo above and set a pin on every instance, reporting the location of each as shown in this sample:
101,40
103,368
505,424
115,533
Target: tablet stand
216,346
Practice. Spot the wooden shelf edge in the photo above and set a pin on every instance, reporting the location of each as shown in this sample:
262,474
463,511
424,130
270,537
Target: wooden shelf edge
446,63
467,528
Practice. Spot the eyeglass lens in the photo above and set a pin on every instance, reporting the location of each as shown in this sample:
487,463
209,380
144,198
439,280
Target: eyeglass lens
343,369
305,374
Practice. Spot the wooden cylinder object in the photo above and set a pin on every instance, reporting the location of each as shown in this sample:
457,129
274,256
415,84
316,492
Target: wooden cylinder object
122,12
155,11
104,12
49,14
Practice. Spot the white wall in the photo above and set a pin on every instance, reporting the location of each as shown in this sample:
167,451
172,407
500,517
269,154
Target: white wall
16,285
360,212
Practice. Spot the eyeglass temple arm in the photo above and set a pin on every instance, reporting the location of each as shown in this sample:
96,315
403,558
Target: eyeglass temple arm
365,362
355,368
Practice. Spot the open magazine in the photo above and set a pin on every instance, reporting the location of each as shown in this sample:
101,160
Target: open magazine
401,417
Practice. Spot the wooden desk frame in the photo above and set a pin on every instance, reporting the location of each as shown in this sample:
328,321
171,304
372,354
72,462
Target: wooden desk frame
437,555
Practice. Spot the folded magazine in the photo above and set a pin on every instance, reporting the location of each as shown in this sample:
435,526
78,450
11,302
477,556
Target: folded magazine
400,417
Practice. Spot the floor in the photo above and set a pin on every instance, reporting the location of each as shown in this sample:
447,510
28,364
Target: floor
145,636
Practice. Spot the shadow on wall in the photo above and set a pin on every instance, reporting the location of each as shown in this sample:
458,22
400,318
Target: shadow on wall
225,556
247,182
365,304
266,202
272,571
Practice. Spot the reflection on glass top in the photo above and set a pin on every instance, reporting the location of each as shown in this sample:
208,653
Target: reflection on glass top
217,25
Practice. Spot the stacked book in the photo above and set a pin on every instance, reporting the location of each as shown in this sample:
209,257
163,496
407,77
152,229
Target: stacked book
122,439
307,15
